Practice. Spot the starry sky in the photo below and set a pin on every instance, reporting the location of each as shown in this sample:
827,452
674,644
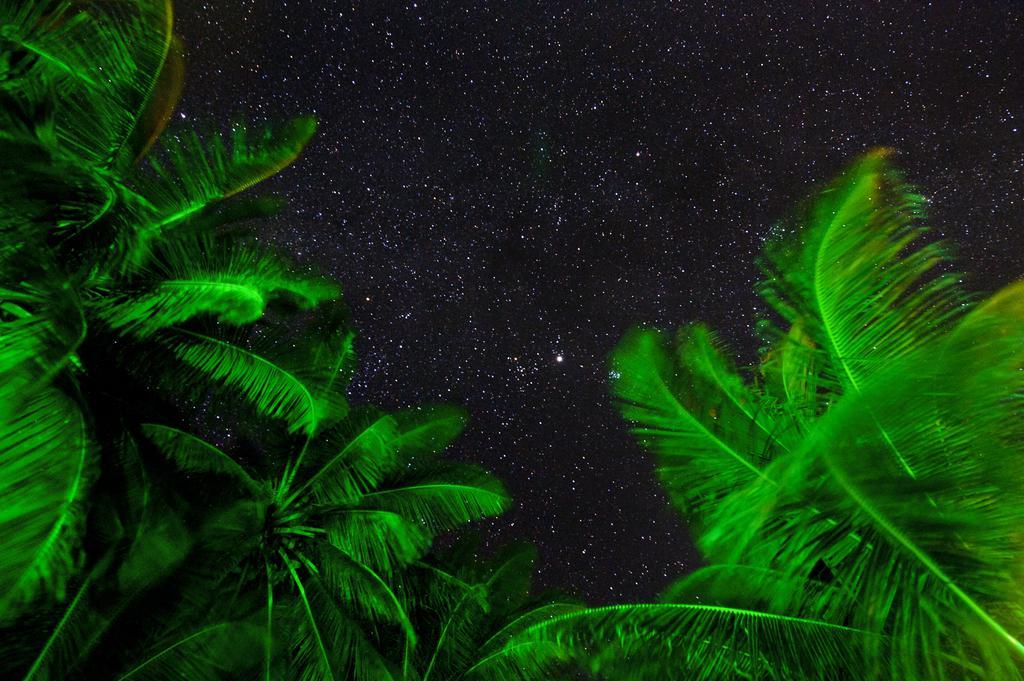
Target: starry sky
504,188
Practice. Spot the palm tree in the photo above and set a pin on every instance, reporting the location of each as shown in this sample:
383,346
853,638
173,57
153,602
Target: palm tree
109,268
125,300
324,541
857,495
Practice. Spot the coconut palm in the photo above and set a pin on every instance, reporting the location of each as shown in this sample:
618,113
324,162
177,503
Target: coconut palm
127,298
858,494
108,265
324,540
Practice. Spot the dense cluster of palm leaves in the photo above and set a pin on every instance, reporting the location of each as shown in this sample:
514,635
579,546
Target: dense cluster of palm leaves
135,304
185,491
858,495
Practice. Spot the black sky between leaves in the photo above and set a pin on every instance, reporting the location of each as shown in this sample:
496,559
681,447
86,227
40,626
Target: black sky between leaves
504,188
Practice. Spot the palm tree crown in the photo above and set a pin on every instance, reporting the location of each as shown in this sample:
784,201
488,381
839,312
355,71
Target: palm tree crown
860,486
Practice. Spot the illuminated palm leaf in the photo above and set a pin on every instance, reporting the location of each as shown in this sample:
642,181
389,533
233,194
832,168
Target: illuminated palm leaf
46,466
191,174
202,277
271,386
851,273
710,432
104,61
689,641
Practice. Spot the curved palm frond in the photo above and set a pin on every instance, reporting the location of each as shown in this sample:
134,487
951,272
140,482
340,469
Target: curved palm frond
203,277
849,275
193,174
46,467
359,586
195,455
688,641
350,459
41,329
273,389
442,499
105,61
209,651
383,540
891,502
709,431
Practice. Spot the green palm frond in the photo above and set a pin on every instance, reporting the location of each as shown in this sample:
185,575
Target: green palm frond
46,467
689,641
456,644
162,544
483,616
428,430
191,174
272,387
203,277
383,540
41,330
326,642
935,554
104,61
852,273
209,651
58,653
195,455
789,370
890,502
349,459
361,588
443,498
709,431
508,653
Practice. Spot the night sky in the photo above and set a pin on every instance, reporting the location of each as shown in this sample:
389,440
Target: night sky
504,188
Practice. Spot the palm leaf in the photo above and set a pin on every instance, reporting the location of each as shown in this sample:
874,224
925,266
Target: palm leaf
461,645
46,465
273,389
103,63
209,651
194,174
455,643
850,276
687,641
709,431
931,560
322,657
360,587
444,499
194,455
204,277
790,370
382,540
428,430
164,97
327,642
350,459
58,653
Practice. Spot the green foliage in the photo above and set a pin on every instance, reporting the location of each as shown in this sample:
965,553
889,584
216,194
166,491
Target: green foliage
477,618
76,296
133,544
46,465
858,494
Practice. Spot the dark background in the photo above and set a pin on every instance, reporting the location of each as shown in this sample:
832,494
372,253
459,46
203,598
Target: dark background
498,185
